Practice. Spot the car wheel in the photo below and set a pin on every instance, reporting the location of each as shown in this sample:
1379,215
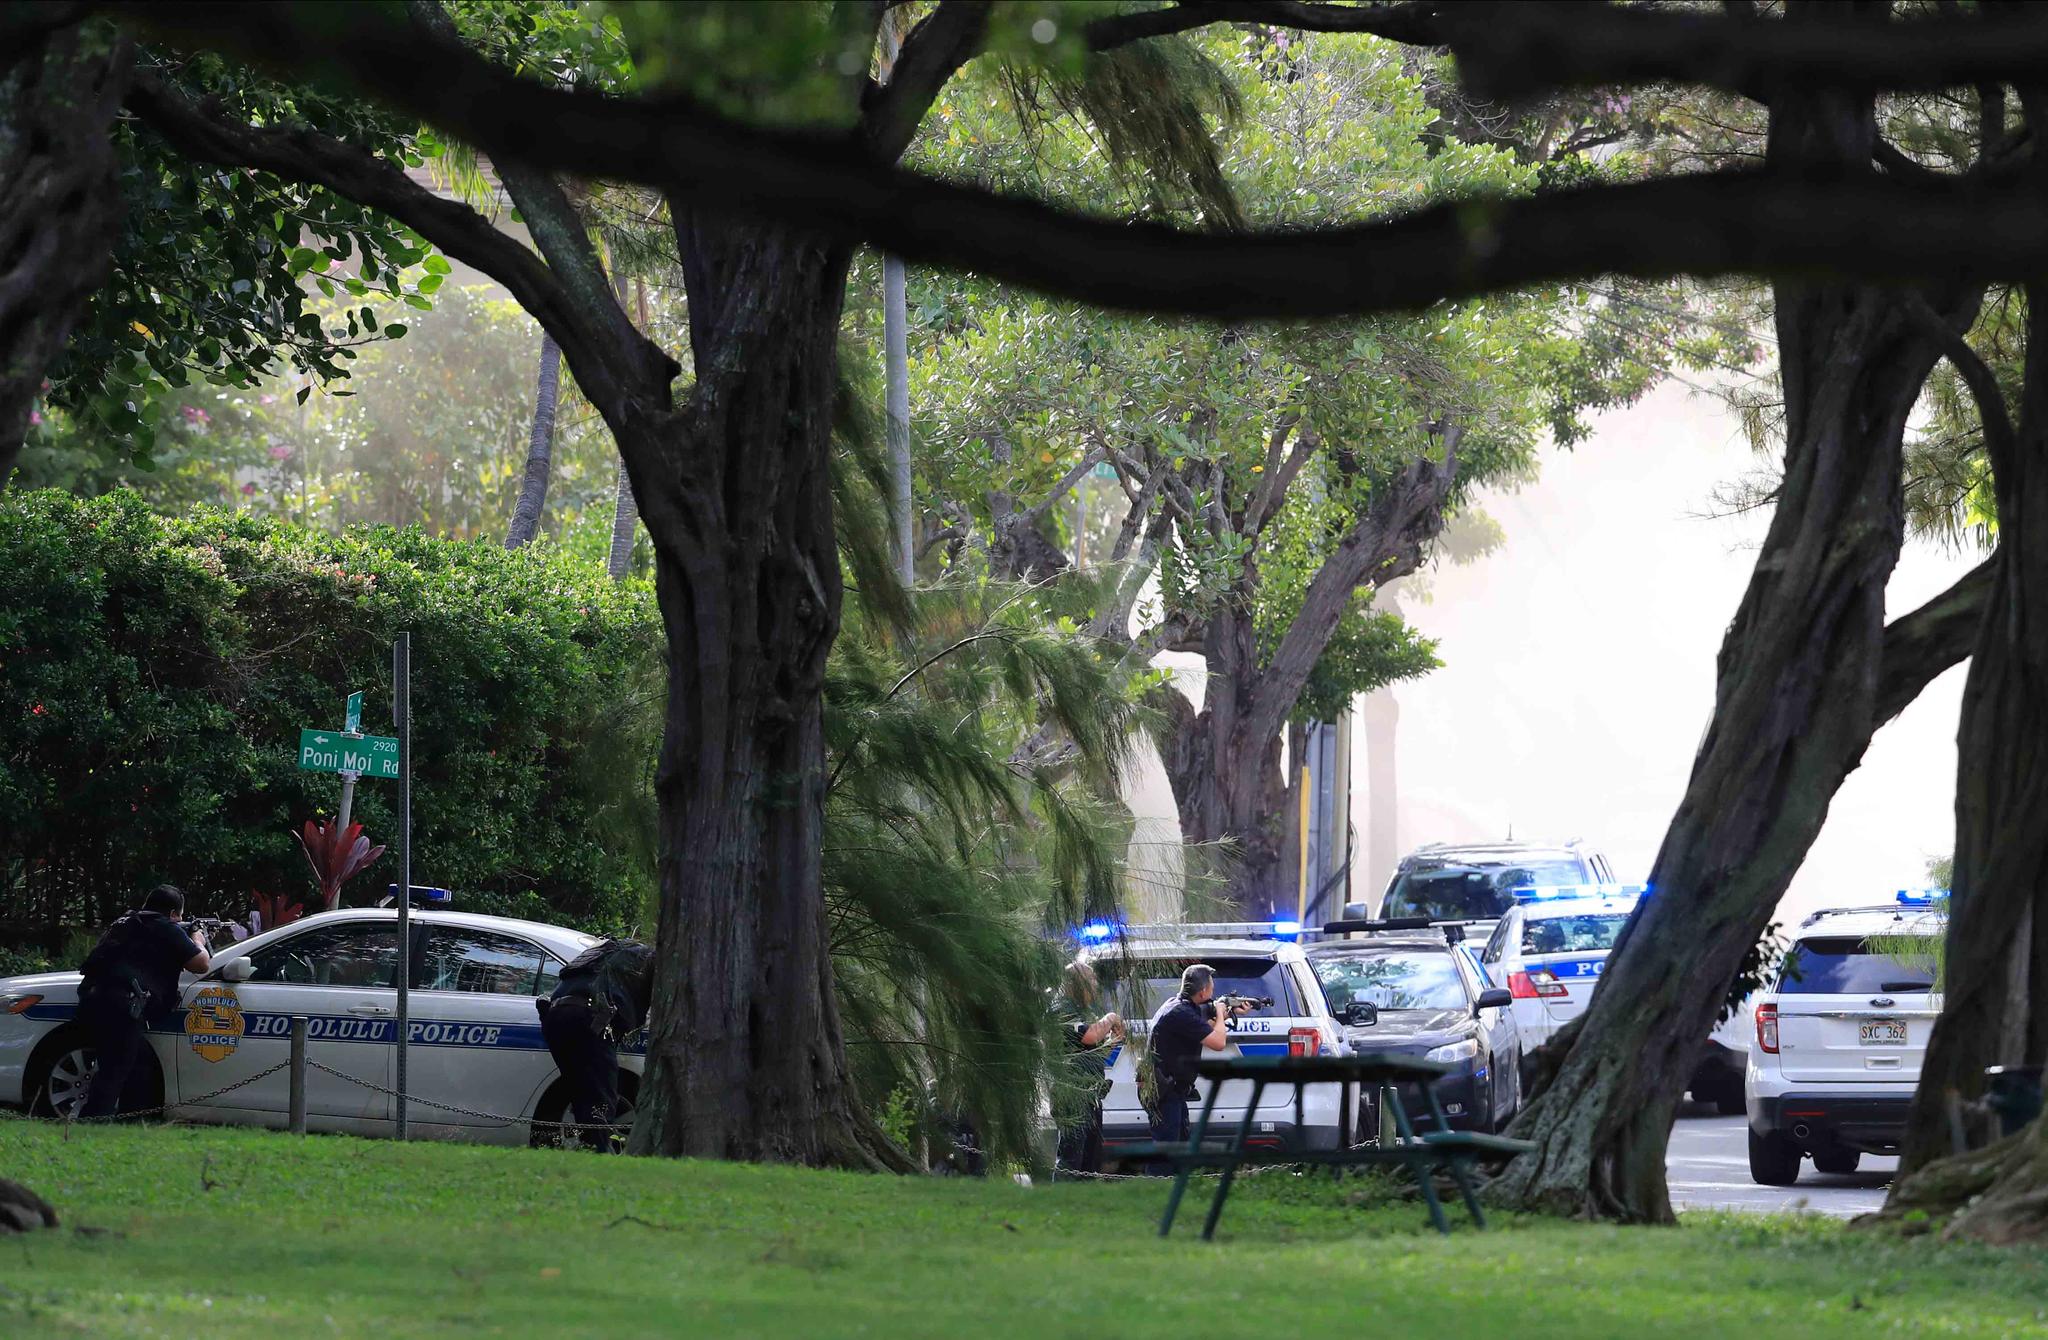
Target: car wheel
1773,1160
59,1089
1729,1102
1837,1161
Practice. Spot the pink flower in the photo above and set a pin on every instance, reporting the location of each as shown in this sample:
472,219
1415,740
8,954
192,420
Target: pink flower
248,490
266,400
34,417
194,414
280,453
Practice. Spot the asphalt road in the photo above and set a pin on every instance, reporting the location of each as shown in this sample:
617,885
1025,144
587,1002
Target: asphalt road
1708,1168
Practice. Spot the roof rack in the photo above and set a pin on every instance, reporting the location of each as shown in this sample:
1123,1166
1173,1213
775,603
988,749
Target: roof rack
1102,932
1453,931
1899,910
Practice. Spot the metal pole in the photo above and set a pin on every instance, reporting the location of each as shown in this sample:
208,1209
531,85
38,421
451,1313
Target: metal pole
299,1025
348,799
401,714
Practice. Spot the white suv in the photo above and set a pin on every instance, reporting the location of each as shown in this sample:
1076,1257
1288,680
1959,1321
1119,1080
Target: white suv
1840,1034
1142,973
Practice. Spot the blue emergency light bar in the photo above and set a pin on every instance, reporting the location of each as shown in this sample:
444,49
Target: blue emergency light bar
422,896
1922,897
1543,893
1102,932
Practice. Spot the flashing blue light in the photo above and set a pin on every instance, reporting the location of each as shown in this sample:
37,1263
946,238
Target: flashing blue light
1541,893
1286,930
1095,932
1922,897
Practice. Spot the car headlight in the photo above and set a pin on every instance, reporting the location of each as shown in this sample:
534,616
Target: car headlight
14,1002
1453,1051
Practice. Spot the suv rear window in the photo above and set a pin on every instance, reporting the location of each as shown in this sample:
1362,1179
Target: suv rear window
1847,966
1141,985
1572,935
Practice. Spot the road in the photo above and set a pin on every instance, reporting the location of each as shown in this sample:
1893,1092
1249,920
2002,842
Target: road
1708,1167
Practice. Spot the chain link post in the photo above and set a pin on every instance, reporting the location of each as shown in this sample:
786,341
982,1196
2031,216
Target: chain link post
300,1026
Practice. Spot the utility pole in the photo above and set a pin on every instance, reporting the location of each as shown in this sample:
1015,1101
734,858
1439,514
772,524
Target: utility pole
896,369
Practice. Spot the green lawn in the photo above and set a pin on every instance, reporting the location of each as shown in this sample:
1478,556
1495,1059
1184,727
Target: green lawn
332,1236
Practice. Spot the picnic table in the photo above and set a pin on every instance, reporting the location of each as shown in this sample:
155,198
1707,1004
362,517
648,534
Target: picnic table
1421,1154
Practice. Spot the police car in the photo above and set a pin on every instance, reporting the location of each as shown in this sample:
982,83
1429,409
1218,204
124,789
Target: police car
1840,1036
1139,968
474,1035
1551,947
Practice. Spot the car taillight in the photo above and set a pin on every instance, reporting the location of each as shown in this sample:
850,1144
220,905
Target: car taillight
1767,1028
1535,985
1304,1042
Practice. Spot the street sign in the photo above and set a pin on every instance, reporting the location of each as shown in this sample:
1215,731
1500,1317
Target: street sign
333,751
355,715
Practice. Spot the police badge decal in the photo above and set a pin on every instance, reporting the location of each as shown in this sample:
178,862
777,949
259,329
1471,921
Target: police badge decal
213,1021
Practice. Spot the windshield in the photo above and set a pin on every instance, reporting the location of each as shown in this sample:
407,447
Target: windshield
1845,966
1571,935
1450,891
1140,986
1419,979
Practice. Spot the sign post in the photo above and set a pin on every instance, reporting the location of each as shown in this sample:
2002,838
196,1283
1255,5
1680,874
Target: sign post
401,718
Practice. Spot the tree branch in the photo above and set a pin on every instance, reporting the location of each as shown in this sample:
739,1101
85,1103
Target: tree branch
1419,24
1919,646
1384,543
2001,442
1855,226
942,42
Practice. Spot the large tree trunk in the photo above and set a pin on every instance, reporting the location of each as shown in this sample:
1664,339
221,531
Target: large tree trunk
1796,702
746,1059
59,206
1993,995
625,516
540,448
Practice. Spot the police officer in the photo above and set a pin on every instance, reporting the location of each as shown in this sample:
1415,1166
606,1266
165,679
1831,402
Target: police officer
602,998
1184,1028
1080,1145
131,976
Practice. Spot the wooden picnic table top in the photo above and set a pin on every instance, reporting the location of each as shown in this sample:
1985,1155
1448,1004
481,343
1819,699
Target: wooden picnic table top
1368,1069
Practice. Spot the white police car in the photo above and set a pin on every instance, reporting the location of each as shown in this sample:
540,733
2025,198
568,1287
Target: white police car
1139,968
474,1044
1840,1036
1551,947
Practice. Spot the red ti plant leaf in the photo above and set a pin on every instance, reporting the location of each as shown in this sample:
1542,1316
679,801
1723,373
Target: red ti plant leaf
335,853
277,909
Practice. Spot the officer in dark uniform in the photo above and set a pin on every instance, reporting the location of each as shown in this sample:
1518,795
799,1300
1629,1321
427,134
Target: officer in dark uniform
602,999
131,976
1184,1028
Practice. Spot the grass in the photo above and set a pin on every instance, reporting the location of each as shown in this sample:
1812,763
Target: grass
190,1231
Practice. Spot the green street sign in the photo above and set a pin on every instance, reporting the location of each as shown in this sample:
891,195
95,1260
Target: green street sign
355,715
333,751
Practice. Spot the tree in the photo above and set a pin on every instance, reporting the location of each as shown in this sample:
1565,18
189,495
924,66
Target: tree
533,487
742,535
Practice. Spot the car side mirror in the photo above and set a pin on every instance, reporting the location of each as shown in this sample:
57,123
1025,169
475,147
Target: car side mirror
238,969
1493,998
1361,1014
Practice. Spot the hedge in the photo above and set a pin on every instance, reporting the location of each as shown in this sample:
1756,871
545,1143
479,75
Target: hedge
155,673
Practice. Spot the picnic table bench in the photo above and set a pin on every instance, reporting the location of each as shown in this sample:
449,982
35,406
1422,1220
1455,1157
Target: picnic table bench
1420,1154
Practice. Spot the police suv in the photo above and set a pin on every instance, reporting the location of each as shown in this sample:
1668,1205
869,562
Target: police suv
1475,882
1139,968
476,1066
1840,1035
1551,947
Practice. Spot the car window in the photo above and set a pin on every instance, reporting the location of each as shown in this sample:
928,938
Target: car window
1571,935
1848,966
1452,893
1417,979
457,958
1503,936
359,953
1481,976
1139,986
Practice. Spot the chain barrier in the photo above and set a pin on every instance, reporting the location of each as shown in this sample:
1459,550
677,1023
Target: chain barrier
72,1116
415,1099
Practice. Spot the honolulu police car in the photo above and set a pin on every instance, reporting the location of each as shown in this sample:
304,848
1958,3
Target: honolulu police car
1140,967
1551,948
474,1036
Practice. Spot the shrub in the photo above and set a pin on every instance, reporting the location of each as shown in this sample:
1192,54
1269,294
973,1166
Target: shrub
155,673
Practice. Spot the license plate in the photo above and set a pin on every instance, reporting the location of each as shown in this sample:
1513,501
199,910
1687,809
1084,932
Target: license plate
1882,1033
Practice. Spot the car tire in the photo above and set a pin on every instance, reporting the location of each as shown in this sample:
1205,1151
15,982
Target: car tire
62,1067
1838,1161
1773,1160
1729,1102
